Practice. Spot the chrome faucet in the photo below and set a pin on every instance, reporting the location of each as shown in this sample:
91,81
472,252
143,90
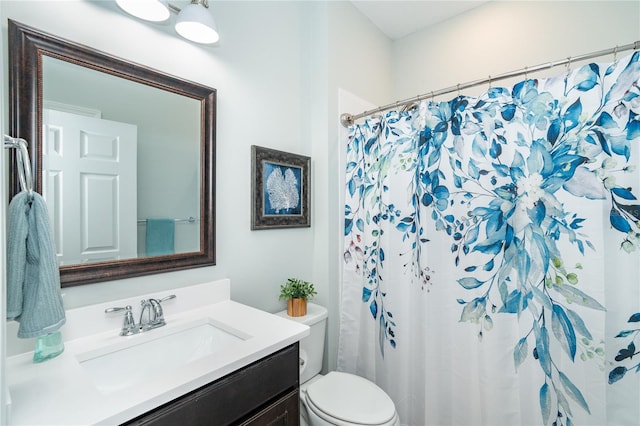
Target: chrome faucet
155,314
129,324
145,308
152,308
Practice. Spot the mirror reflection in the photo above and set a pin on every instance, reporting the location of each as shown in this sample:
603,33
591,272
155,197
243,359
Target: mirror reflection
120,166
123,154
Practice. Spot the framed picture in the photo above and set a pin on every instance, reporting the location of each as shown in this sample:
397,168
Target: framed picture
280,185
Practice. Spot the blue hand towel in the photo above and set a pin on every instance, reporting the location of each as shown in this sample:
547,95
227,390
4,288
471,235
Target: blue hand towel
33,278
160,236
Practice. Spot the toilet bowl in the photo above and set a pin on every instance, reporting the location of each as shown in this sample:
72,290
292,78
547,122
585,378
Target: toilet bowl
338,398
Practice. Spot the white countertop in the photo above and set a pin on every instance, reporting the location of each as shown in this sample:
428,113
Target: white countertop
59,391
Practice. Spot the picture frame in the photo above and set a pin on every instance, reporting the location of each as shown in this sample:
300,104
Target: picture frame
280,188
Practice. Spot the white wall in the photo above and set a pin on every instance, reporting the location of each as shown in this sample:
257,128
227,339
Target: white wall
502,36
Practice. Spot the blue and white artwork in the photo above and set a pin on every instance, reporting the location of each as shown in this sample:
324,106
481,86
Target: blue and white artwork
282,189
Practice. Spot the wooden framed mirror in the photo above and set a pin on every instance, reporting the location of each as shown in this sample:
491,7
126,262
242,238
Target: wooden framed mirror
164,178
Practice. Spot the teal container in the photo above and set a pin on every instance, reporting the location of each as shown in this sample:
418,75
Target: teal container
48,346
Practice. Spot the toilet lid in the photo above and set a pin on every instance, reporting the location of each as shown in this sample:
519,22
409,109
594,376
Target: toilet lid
351,398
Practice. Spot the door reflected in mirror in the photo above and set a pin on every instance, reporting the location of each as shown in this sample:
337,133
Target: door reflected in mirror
120,166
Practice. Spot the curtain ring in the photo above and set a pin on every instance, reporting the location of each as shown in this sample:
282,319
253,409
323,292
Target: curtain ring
458,86
568,65
615,54
526,73
432,96
489,81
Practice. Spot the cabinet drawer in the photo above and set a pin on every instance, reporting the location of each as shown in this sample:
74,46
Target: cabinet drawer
234,397
285,412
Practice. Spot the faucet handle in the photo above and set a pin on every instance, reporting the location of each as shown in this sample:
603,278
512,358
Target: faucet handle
129,324
158,314
127,309
171,296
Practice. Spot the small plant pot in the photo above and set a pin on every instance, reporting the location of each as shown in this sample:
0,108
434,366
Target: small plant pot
297,307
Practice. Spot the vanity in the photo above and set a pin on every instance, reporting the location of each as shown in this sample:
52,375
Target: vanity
216,361
265,392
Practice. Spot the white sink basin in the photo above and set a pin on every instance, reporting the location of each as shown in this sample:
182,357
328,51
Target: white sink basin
136,358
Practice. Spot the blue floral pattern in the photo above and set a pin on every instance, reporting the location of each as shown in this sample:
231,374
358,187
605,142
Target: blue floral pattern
497,174
628,352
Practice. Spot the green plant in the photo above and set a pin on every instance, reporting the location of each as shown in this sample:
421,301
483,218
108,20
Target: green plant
296,288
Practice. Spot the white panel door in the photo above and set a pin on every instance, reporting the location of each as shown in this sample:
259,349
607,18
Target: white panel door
90,186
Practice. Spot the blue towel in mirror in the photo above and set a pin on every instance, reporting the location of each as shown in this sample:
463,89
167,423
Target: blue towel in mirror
160,237
33,278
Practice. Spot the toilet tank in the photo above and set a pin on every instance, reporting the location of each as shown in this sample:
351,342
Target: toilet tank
312,346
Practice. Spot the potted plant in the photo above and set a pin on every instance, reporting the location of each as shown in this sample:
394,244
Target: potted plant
296,292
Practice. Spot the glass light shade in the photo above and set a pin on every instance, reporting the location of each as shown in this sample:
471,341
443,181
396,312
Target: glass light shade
196,23
149,10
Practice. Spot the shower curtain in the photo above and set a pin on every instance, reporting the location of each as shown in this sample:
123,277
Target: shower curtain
491,267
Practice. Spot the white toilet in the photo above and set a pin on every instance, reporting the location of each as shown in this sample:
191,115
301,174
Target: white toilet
337,399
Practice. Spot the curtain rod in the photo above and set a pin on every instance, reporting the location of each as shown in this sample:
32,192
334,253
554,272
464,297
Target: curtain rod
348,119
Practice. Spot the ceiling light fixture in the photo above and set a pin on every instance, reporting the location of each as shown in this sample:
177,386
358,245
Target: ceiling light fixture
194,22
148,10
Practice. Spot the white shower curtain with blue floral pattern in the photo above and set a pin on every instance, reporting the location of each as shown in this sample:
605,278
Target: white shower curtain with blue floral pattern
491,271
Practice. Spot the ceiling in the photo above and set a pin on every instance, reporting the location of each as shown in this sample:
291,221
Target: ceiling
398,18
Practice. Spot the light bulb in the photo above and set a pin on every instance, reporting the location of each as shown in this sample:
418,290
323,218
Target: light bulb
148,10
196,23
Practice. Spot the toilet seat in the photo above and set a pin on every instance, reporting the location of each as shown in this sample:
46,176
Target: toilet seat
343,398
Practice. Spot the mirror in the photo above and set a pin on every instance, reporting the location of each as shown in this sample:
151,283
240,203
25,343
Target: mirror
124,156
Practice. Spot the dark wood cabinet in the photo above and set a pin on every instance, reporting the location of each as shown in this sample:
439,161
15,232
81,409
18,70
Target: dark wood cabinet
263,393
284,412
